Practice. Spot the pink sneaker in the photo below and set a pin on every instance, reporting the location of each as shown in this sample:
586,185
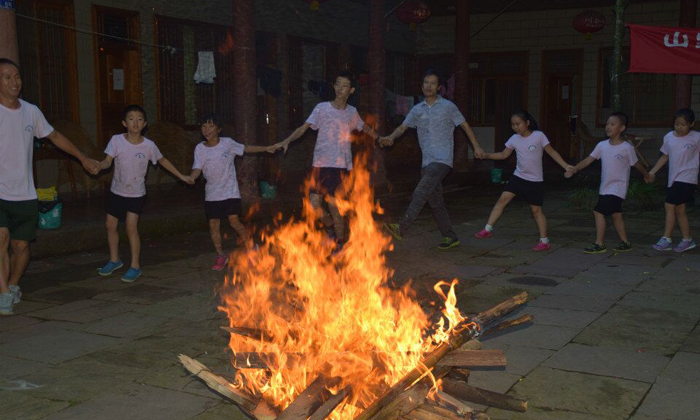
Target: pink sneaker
541,246
220,263
483,234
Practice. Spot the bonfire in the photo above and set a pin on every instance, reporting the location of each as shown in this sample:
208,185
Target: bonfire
322,332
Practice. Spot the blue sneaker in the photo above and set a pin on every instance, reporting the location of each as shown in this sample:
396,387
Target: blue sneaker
109,268
131,275
16,293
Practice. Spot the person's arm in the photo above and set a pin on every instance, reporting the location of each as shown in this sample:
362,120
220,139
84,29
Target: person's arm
260,149
581,165
195,174
478,151
165,163
284,144
557,158
659,164
62,142
389,140
106,163
647,177
505,154
368,130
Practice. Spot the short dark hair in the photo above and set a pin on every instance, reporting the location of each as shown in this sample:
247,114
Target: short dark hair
136,108
213,117
686,113
433,72
525,116
4,60
345,74
624,119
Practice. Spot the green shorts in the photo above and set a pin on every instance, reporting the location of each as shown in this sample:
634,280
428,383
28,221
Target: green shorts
20,218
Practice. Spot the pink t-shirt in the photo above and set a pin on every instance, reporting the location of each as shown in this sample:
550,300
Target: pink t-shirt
218,169
131,164
18,127
683,157
528,151
615,161
335,127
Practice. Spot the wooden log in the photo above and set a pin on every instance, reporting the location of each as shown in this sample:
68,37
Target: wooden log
522,320
465,392
219,384
449,402
425,413
473,344
310,399
327,407
253,360
459,374
248,332
431,359
473,358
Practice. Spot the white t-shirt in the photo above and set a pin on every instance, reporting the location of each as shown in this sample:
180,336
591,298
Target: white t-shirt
616,161
683,157
529,154
335,127
218,169
131,164
18,127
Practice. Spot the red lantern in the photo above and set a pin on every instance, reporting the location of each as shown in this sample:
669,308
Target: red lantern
315,4
413,12
588,22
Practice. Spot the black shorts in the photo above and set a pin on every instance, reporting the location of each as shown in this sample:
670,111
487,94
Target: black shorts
681,193
222,209
327,180
531,192
118,206
608,204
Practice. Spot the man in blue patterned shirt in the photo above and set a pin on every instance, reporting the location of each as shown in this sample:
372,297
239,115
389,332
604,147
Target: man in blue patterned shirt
435,120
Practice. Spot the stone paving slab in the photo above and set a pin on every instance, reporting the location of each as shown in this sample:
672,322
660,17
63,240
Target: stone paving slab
676,393
27,306
603,397
563,262
604,273
535,413
151,353
539,336
142,294
8,323
520,360
83,311
596,290
60,295
11,367
644,258
139,402
611,334
176,378
539,284
161,271
645,417
101,283
17,406
195,283
556,317
684,285
127,325
692,343
38,329
677,303
656,318
574,303
57,346
636,366
223,411
187,307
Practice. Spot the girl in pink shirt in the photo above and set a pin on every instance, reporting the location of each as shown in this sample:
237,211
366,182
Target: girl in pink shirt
681,149
131,153
528,181
616,157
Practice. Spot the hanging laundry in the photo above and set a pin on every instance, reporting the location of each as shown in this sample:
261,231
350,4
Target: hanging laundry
205,68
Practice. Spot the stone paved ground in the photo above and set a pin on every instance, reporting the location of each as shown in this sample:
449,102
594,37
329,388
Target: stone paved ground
614,337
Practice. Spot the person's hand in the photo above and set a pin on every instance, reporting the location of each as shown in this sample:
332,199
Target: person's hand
479,153
569,173
91,166
187,179
650,178
385,141
272,149
569,168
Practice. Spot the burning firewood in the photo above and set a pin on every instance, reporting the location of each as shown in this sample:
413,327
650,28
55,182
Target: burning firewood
521,320
473,358
310,399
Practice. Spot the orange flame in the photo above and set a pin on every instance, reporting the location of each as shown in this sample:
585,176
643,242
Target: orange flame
320,312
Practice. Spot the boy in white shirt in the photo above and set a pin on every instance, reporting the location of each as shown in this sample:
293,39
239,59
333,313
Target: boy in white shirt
214,157
131,153
616,156
335,122
681,149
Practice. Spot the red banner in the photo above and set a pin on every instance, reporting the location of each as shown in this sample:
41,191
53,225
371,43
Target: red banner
655,49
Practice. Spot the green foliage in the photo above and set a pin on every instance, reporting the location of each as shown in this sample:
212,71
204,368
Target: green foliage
583,198
642,196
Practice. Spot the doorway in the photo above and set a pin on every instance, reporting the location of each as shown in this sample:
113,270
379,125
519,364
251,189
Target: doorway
561,97
117,67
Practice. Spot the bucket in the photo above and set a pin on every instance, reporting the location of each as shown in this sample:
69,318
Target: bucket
267,190
50,213
496,174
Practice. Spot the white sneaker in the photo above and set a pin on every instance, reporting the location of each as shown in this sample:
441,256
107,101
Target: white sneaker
16,293
6,303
